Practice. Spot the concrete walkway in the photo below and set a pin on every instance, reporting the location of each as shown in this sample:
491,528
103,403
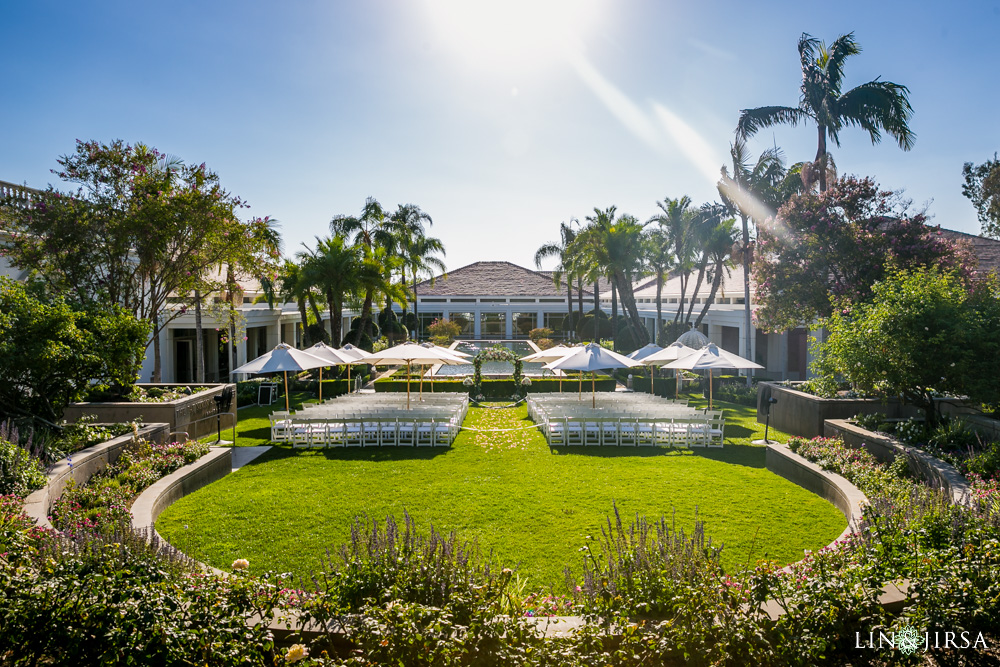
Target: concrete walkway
244,455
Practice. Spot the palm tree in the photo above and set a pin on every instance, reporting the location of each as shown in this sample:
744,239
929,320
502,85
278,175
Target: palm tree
615,249
562,250
718,248
333,268
660,256
373,229
875,106
754,192
417,249
294,285
676,218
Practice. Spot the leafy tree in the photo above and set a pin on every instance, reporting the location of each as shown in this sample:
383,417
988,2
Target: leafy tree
833,246
142,227
875,106
718,250
51,353
982,187
923,331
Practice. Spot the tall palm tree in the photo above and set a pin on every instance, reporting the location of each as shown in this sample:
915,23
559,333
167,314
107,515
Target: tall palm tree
294,285
561,250
754,192
418,250
374,230
875,106
718,248
333,268
676,218
615,248
660,256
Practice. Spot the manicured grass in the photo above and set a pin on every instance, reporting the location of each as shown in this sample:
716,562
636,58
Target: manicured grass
508,491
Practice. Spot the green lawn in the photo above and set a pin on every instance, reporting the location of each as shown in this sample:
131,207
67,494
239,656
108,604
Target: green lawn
508,491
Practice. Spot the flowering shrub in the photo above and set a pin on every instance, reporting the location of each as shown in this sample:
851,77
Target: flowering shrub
858,466
21,471
103,503
162,394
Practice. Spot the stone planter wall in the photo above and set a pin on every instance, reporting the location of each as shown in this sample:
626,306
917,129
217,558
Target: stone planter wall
886,449
187,414
213,466
81,466
799,413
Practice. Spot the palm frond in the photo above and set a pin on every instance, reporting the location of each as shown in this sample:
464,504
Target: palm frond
807,49
842,48
879,105
752,120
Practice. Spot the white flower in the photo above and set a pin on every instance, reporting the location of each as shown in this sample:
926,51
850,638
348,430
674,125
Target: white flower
296,652
240,564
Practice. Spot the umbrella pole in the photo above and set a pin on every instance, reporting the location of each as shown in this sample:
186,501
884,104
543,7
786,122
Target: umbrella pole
407,385
421,382
286,392
580,397
709,388
593,390
677,385
320,384
348,378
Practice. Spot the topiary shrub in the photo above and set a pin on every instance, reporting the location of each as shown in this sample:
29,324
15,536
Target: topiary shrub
365,343
670,331
628,339
371,328
595,325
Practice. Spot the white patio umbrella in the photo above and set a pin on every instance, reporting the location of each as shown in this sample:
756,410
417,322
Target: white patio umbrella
592,358
645,351
670,353
358,354
461,356
282,359
554,353
709,358
411,353
334,356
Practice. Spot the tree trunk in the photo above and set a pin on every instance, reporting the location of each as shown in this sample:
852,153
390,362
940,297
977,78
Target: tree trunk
157,364
305,321
659,307
821,158
628,303
746,293
579,295
716,281
199,341
366,314
680,306
597,299
614,314
334,319
697,286
416,314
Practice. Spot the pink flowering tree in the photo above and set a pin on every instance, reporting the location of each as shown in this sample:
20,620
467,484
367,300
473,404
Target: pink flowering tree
921,333
141,227
827,248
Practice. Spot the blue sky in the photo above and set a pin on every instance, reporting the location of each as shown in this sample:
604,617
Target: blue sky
499,119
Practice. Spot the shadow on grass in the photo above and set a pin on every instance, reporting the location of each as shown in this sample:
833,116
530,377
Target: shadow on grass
743,455
374,454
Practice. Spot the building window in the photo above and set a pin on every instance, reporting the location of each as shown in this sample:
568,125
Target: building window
524,322
555,321
492,324
463,300
427,319
466,321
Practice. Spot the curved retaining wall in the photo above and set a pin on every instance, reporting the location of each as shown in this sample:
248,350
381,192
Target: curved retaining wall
886,449
81,466
211,467
832,487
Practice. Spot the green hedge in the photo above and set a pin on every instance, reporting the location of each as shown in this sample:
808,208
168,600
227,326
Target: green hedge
502,389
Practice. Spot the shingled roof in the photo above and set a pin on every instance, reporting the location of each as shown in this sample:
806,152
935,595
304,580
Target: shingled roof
987,250
493,279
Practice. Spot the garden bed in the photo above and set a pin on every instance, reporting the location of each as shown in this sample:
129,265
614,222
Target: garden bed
802,414
188,414
79,467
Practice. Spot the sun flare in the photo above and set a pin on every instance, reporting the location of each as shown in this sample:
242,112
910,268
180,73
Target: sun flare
513,34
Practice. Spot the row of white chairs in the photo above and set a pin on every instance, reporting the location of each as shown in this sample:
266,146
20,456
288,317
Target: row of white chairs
626,420
366,432
692,430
